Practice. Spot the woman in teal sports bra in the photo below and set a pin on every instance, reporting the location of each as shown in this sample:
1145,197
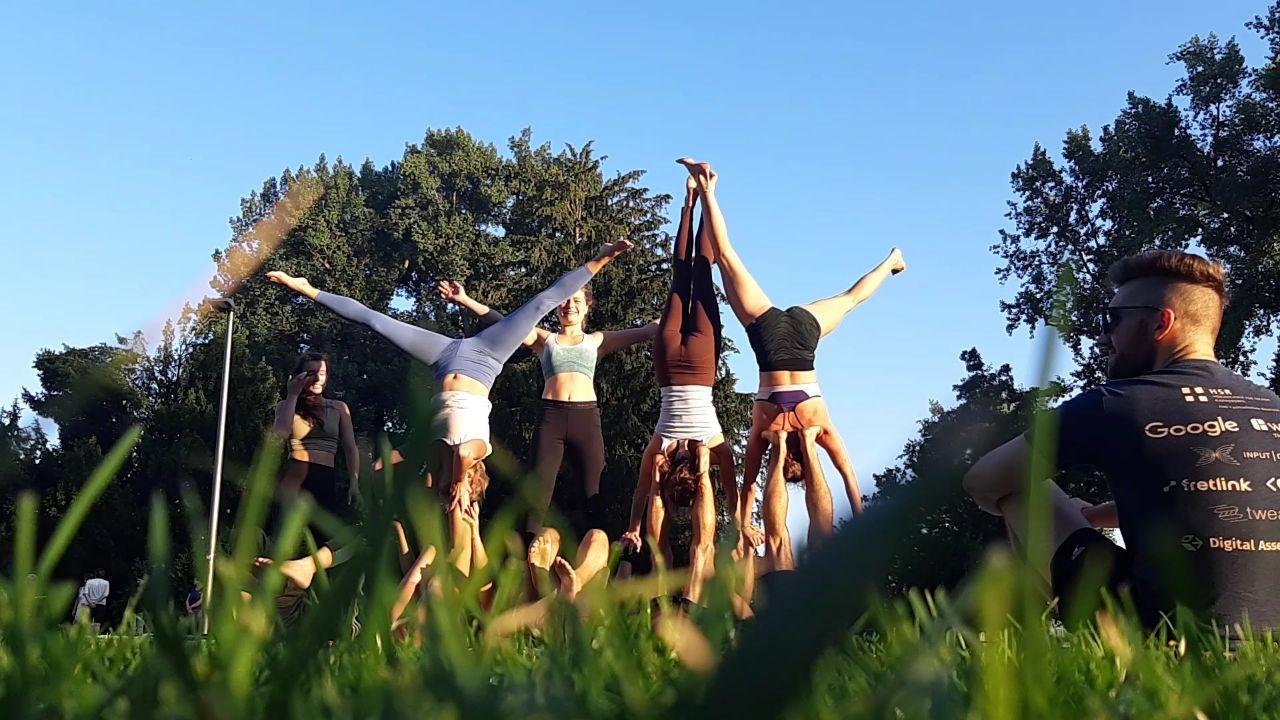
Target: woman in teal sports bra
570,415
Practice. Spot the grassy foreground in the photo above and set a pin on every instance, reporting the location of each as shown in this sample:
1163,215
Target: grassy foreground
824,649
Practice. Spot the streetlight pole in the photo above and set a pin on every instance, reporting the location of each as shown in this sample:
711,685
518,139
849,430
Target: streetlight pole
228,306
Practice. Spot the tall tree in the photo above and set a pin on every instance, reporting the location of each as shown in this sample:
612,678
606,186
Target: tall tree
1197,170
943,545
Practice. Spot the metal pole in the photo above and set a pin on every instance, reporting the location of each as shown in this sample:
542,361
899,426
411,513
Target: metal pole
216,503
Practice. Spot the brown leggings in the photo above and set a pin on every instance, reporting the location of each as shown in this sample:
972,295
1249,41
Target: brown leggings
687,347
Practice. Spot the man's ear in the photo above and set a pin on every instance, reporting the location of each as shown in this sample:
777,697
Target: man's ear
1164,325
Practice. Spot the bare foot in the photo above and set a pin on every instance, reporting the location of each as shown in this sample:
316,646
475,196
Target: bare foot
298,572
701,173
543,549
568,578
298,285
896,263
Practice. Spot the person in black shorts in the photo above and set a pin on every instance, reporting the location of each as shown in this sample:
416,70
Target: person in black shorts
1190,449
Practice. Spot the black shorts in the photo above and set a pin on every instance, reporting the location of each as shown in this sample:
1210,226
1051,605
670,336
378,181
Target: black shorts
784,340
1085,564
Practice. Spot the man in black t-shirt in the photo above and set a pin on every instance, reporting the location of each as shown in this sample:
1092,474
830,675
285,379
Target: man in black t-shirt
1190,449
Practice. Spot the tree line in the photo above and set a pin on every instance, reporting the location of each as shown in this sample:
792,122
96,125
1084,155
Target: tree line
1198,170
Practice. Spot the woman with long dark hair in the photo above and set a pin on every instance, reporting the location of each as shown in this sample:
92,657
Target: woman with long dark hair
315,427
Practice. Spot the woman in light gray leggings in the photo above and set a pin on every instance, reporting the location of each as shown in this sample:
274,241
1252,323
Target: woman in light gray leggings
466,369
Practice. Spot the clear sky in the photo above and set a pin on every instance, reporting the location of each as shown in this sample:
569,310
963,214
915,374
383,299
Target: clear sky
130,133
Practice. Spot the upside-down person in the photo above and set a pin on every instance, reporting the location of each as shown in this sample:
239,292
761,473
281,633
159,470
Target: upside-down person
570,416
784,343
675,467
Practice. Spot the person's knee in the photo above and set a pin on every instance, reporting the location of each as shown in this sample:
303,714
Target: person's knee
595,540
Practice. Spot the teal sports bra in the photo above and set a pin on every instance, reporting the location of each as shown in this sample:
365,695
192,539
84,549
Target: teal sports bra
580,358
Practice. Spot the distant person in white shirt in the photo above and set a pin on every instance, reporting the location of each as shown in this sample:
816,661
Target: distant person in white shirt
91,598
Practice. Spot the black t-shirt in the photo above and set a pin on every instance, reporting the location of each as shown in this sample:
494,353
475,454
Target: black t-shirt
1192,454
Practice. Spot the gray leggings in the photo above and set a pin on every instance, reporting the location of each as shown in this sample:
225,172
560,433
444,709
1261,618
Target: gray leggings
479,357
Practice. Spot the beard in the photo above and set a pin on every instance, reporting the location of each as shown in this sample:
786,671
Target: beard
1125,365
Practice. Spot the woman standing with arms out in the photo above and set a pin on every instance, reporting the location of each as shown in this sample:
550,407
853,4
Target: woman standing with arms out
466,369
570,415
784,343
314,426
675,467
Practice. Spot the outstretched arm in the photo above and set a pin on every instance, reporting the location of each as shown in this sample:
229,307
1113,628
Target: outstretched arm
751,471
728,478
830,441
615,340
454,292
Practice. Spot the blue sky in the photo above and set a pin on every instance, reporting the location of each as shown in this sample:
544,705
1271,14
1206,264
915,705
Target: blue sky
129,135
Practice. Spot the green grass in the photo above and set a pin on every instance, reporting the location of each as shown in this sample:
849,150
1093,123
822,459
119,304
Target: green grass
989,652
825,648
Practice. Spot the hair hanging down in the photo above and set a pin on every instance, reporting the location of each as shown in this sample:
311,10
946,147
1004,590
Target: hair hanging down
310,407
1177,266
479,480
678,483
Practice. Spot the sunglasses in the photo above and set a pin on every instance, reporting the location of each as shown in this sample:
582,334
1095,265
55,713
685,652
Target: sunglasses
1111,317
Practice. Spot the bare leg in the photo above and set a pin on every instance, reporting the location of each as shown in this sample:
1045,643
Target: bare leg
402,547
702,552
831,311
301,571
409,585
1064,515
817,496
746,298
777,539
593,555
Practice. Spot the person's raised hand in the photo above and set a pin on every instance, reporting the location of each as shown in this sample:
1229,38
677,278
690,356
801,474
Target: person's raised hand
300,382
451,291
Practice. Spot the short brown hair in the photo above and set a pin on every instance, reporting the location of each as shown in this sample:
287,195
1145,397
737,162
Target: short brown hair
1176,266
